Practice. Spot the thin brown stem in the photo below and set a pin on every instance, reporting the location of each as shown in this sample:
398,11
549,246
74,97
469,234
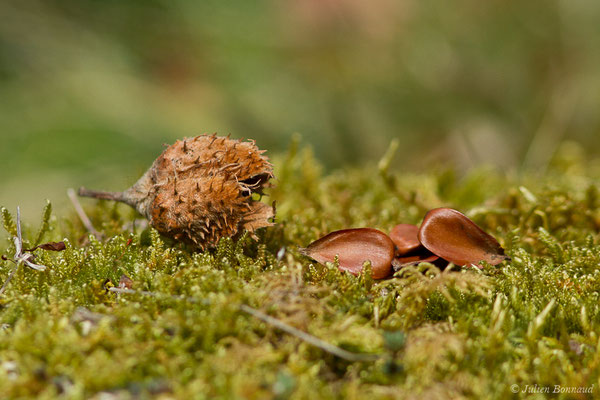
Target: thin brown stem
12,273
82,215
308,338
98,194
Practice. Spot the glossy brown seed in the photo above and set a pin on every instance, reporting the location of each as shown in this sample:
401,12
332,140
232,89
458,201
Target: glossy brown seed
454,237
353,247
427,257
405,237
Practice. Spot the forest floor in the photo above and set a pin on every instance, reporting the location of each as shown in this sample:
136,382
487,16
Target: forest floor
196,325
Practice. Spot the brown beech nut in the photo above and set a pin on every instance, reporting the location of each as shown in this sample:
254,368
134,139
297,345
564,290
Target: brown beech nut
454,237
405,237
353,247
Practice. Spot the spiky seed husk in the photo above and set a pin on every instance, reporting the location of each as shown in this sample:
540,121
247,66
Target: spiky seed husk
200,190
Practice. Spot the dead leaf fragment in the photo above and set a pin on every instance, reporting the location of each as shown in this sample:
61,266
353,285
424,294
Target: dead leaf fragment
50,246
125,282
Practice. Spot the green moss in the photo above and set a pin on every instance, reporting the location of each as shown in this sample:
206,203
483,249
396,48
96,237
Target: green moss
441,334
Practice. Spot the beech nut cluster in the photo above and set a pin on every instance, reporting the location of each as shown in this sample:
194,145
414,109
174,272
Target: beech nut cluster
445,236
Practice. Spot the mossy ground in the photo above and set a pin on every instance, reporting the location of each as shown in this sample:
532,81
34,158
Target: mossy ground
452,334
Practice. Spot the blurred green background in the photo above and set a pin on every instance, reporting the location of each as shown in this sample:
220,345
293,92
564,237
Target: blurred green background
90,89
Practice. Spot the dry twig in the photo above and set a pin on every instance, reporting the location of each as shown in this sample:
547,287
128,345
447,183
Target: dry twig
308,338
82,215
21,255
